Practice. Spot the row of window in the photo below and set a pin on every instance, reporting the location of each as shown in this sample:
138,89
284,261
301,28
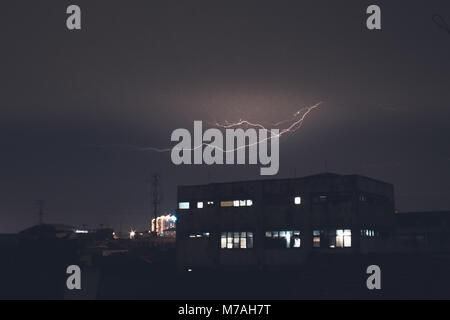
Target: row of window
236,203
199,235
283,239
247,203
236,240
227,203
340,238
368,233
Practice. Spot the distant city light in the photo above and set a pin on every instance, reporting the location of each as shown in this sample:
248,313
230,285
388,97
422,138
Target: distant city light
81,231
132,234
164,224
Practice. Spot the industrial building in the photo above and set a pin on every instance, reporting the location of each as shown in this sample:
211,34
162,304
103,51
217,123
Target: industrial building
280,222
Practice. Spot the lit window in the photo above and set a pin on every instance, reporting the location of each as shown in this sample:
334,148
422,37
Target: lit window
316,238
283,239
298,200
343,238
183,205
296,239
200,205
243,240
236,240
236,203
199,235
229,240
323,198
316,242
249,239
347,238
223,241
368,233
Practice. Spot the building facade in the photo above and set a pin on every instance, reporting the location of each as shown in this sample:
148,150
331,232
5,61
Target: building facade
421,232
270,223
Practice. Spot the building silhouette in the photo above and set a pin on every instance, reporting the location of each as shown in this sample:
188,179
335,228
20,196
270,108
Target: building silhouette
271,223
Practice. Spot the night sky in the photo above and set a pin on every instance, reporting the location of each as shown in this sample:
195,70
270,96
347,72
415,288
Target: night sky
140,69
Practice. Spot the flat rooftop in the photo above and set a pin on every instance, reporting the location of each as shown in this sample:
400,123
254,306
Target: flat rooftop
325,175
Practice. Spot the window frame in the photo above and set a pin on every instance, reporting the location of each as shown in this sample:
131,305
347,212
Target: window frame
235,240
278,234
180,203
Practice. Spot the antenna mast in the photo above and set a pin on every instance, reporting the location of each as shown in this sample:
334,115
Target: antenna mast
156,199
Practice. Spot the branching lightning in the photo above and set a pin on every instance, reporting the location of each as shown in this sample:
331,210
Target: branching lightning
295,123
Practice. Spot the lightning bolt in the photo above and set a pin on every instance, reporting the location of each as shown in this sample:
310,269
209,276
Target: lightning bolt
295,123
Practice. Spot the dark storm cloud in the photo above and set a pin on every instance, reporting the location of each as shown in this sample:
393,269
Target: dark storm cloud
138,70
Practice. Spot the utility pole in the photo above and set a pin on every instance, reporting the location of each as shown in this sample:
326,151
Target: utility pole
120,226
41,204
156,199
